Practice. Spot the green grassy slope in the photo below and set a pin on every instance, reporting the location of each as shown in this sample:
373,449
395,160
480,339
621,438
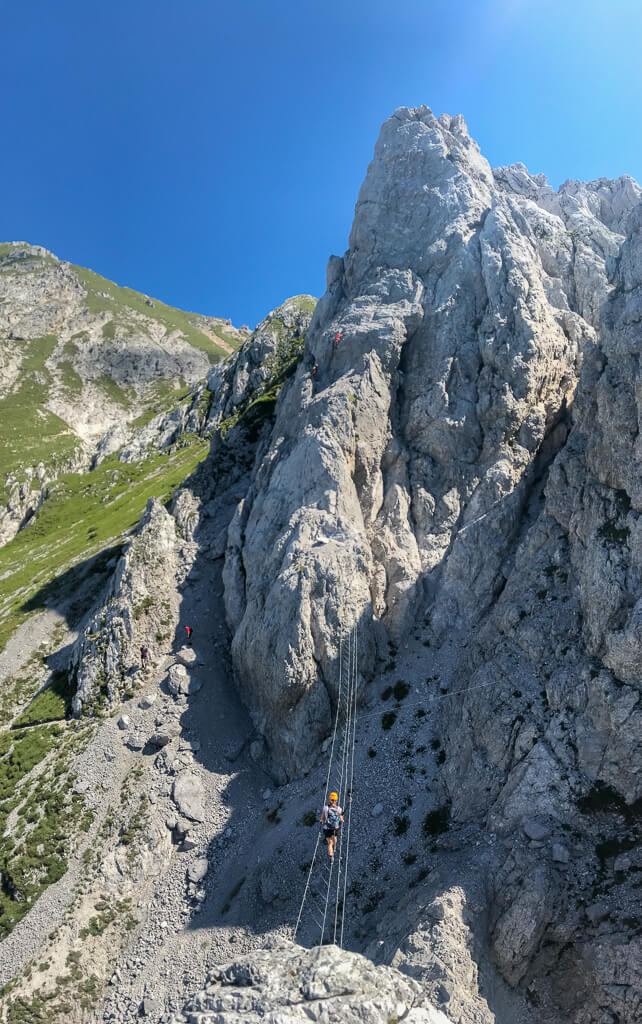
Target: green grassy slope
84,513
29,433
103,296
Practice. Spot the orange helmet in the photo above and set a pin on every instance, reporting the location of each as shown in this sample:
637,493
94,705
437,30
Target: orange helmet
334,796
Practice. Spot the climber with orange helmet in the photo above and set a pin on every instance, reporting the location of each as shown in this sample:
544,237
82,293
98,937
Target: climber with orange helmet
331,818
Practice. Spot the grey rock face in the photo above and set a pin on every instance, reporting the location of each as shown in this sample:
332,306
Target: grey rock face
288,983
260,359
140,601
461,442
554,740
399,474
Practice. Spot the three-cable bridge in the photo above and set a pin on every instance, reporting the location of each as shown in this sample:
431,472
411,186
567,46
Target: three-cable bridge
323,906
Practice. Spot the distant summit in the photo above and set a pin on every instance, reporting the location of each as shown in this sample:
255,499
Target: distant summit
79,354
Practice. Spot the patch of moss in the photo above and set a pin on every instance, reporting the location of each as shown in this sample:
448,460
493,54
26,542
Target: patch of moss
113,391
71,381
400,690
401,824
613,535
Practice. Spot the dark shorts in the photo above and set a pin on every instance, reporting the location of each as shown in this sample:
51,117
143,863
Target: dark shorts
329,832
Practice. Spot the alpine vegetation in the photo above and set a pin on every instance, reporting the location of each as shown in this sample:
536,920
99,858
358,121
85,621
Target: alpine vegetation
322,656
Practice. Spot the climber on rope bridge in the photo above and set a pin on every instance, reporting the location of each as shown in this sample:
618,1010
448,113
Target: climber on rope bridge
331,819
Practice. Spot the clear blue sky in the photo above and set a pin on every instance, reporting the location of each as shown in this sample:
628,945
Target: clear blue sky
210,153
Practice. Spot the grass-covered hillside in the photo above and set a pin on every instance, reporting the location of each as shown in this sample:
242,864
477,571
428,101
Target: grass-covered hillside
79,354
83,514
56,567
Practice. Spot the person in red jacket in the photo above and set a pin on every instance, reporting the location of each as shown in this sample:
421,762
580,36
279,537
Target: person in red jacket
189,631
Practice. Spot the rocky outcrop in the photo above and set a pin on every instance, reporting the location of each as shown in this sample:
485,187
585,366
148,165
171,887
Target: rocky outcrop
439,369
258,369
451,459
287,983
141,605
139,609
551,750
440,949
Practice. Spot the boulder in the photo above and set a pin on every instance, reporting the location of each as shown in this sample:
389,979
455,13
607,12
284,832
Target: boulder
536,830
196,872
187,656
289,982
188,795
177,679
560,853
165,735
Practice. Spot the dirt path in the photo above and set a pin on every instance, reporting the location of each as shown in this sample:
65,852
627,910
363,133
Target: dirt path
27,640
179,938
218,341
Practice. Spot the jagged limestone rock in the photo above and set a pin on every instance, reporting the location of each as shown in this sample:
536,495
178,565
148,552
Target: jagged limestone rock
140,603
398,475
292,985
558,735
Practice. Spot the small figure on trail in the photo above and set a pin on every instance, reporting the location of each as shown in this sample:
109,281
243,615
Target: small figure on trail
315,371
144,656
189,631
331,818
337,338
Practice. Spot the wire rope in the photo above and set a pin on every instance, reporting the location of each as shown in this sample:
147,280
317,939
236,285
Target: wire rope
355,676
327,784
343,790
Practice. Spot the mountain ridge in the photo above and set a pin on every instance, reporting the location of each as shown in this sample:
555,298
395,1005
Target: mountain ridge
79,354
442,460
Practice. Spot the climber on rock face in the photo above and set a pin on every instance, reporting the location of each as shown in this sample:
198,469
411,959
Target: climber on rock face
144,656
331,818
337,338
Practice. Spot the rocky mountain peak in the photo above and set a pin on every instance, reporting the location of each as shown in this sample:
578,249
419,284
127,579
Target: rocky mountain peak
427,484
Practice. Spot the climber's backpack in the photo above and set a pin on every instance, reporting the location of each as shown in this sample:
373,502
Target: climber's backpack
332,818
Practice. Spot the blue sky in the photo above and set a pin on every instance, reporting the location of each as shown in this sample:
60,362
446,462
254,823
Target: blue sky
210,153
